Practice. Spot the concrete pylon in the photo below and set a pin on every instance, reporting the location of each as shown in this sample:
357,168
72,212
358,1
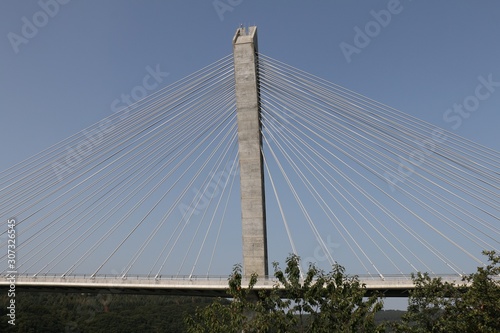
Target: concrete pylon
253,210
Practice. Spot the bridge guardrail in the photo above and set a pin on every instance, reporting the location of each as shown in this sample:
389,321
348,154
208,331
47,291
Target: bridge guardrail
399,277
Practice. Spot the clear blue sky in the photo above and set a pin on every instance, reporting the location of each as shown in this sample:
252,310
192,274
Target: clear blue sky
65,76
427,58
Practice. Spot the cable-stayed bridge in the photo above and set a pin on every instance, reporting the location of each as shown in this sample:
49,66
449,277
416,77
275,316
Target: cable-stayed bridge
164,195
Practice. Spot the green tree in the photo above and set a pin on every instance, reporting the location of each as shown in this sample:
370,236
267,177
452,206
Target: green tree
319,302
472,306
221,317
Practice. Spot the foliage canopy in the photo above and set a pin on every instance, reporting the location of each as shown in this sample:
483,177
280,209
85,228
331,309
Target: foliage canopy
473,306
317,302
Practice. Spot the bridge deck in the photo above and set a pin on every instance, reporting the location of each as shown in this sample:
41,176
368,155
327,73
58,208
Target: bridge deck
392,286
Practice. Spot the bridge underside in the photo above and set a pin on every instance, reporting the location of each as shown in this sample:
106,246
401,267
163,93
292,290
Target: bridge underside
393,293
120,290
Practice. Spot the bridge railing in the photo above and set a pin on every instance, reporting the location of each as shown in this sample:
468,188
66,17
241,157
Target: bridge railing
362,278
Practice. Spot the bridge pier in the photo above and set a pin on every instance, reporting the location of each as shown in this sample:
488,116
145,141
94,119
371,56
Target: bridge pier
253,210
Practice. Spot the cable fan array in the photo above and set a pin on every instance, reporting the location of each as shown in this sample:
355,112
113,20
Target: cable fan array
391,192
119,197
154,189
